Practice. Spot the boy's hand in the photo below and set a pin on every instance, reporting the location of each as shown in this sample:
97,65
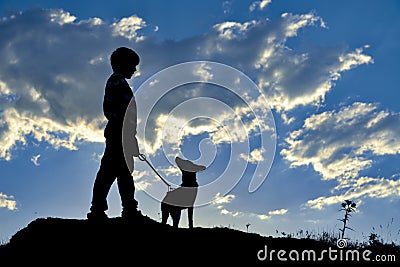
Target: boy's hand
130,164
142,157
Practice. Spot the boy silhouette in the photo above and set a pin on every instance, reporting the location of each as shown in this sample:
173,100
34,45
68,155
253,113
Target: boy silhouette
113,166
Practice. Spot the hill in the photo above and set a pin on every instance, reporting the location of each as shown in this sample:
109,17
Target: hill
51,241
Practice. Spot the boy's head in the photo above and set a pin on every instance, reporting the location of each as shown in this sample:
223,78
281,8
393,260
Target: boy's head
124,61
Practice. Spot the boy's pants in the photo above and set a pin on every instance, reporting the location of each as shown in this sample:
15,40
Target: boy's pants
113,166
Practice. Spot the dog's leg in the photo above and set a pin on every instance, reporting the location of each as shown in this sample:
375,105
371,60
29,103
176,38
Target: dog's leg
164,212
176,216
190,217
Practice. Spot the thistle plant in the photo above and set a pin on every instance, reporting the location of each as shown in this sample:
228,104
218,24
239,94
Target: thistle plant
348,207
247,226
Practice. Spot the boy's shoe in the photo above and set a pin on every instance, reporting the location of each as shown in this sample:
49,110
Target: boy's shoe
131,214
97,216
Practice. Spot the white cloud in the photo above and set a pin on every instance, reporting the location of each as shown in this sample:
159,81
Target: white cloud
4,90
292,84
277,212
286,119
61,17
222,127
227,7
230,29
231,213
203,71
361,188
142,180
358,129
172,171
259,5
339,145
18,125
152,83
353,59
218,199
97,157
7,202
129,27
289,79
51,84
93,21
35,160
262,217
295,22
256,155
270,214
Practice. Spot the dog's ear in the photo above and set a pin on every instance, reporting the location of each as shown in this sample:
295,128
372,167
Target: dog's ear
187,165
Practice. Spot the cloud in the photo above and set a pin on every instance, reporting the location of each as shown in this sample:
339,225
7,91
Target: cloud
35,160
361,188
7,202
218,199
231,30
221,201
262,217
288,78
18,125
231,213
52,78
341,144
129,27
270,214
222,124
142,180
259,5
256,155
53,68
61,17
227,7
292,84
278,212
203,71
348,134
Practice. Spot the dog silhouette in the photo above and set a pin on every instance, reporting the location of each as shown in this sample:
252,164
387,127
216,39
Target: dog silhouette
182,197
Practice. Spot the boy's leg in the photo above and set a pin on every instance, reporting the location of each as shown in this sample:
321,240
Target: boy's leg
126,187
164,212
103,182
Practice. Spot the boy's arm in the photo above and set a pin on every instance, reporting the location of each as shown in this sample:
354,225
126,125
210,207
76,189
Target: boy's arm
129,133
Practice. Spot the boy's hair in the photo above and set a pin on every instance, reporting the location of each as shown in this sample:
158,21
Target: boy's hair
123,58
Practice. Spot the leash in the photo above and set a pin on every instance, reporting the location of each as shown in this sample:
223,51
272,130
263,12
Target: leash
142,157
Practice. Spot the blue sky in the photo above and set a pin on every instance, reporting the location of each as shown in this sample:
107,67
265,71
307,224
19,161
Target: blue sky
328,72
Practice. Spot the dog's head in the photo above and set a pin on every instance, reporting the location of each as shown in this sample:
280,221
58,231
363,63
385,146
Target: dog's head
187,165
189,171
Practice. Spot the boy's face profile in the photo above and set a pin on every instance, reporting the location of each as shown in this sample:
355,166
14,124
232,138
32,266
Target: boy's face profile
130,71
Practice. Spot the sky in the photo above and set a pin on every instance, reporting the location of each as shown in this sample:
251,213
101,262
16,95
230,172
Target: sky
291,105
